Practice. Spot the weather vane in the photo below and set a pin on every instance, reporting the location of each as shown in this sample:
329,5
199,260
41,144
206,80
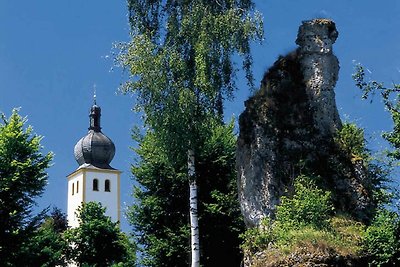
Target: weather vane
94,93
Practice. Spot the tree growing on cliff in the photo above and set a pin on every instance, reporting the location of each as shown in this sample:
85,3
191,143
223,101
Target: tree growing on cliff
180,61
383,235
22,178
390,96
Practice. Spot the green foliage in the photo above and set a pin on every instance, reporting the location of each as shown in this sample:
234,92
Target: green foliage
160,213
22,178
351,140
382,239
181,64
59,220
309,205
304,224
352,143
258,239
390,97
47,247
97,241
383,235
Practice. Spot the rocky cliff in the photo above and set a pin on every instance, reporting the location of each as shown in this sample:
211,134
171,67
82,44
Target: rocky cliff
288,128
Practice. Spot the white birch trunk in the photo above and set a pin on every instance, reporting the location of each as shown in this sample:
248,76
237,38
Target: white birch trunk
194,221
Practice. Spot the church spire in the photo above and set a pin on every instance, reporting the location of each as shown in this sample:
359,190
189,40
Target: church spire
94,94
95,114
95,148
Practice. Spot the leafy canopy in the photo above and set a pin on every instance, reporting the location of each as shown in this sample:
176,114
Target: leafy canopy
47,246
382,238
22,178
97,241
160,213
390,97
181,69
180,61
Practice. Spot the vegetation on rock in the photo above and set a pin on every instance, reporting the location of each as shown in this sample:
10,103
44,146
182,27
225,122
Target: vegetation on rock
308,229
305,228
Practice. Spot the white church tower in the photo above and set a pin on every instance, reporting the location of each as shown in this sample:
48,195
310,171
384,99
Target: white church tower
95,179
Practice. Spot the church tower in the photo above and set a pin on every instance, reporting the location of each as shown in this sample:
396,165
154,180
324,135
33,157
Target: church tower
94,179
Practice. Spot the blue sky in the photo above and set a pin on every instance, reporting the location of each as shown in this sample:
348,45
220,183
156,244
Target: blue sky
52,52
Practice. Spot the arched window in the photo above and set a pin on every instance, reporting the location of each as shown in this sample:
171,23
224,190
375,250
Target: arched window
107,185
95,185
77,187
73,188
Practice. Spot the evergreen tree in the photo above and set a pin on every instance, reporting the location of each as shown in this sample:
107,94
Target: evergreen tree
181,68
97,241
22,179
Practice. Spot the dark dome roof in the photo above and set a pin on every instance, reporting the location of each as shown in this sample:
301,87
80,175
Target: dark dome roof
95,148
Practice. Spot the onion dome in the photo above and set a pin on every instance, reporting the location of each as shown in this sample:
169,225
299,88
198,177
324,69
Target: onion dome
94,149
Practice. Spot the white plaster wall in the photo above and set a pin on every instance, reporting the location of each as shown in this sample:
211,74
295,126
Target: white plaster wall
75,200
110,200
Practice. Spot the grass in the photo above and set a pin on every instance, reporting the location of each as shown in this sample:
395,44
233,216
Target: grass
287,246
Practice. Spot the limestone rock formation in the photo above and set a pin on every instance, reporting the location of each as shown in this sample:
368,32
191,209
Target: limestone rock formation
288,128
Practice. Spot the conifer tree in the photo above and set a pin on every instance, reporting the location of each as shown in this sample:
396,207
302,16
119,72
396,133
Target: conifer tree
180,61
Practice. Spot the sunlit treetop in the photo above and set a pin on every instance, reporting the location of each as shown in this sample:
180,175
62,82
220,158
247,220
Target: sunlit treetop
181,62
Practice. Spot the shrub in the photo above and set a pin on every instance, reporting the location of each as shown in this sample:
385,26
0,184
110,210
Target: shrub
256,239
350,139
309,205
381,238
304,225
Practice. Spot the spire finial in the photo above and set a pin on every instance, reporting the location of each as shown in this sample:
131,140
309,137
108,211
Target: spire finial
94,93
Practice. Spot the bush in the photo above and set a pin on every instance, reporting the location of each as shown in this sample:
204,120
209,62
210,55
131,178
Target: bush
308,206
257,239
382,238
304,225
350,139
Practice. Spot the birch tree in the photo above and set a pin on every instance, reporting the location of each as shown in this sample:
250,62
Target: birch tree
181,67
159,214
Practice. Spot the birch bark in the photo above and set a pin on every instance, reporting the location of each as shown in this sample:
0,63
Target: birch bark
194,222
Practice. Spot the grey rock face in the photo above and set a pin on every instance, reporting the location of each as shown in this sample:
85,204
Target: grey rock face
320,69
290,124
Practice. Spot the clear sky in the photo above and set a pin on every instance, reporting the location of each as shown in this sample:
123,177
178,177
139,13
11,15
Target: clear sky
52,52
